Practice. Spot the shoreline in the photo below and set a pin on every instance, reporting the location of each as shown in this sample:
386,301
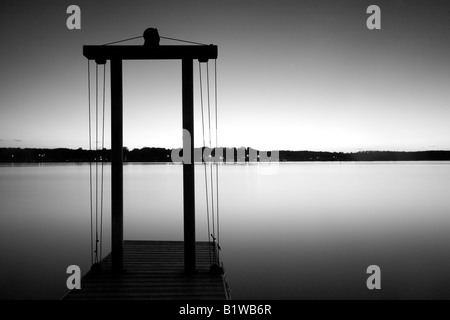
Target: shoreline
225,155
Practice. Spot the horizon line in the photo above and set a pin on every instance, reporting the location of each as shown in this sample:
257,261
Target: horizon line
274,150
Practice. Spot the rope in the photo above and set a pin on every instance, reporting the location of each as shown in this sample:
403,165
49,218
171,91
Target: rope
96,254
90,160
207,211
103,161
201,44
215,95
209,104
214,169
209,124
167,38
204,163
96,163
217,209
213,235
107,44
201,101
217,165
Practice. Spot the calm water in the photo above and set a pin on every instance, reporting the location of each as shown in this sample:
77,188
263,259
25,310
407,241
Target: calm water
308,231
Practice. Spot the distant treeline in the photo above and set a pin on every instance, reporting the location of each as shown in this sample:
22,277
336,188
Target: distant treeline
229,155
365,156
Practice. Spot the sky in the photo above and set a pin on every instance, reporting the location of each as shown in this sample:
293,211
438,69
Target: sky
299,75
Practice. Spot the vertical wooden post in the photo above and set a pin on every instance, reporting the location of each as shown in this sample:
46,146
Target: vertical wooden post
116,166
187,66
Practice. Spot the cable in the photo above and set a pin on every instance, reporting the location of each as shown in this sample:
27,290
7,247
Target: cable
213,234
209,108
217,146
90,160
201,101
215,95
217,209
96,163
167,38
204,163
103,161
201,44
207,211
107,44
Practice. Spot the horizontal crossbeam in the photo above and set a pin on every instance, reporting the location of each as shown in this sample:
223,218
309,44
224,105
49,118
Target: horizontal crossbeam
103,53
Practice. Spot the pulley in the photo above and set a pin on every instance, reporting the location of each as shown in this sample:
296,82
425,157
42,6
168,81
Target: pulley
151,38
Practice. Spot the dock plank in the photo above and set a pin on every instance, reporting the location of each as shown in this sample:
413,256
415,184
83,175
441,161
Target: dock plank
154,271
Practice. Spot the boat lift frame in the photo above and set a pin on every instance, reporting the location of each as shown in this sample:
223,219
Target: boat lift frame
116,54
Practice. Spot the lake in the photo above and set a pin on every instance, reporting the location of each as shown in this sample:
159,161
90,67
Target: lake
302,231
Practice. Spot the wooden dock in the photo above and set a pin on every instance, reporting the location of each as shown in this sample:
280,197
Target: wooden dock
154,270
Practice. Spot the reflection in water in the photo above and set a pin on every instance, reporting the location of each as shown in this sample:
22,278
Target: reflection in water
308,231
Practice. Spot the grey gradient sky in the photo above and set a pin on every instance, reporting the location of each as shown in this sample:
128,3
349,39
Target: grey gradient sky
292,74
